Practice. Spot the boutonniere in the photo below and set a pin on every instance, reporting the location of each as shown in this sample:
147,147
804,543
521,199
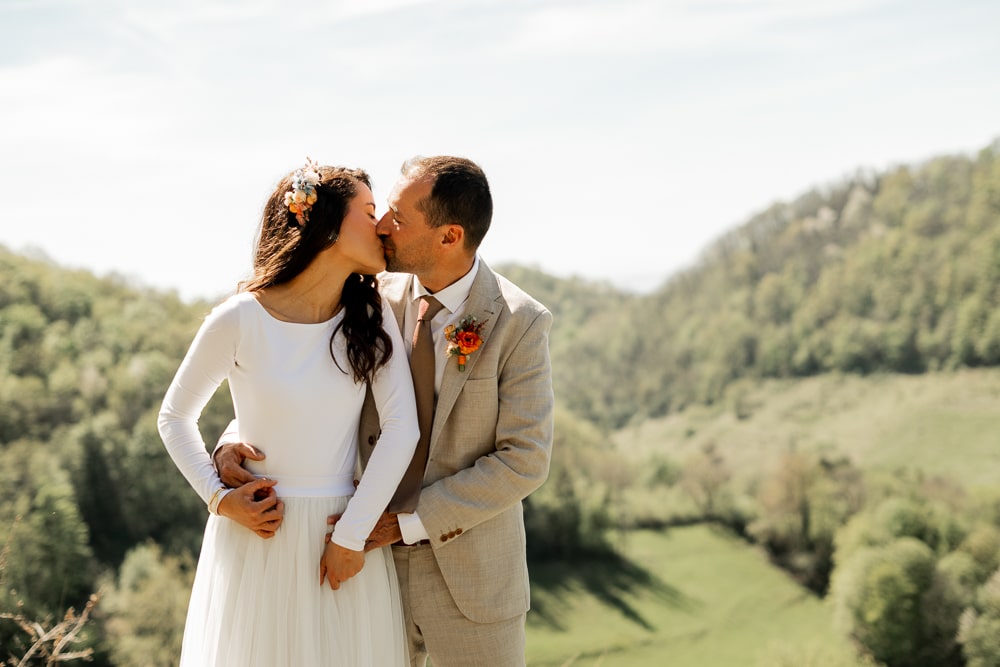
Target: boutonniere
464,339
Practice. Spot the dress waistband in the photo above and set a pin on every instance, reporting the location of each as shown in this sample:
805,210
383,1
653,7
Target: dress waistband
312,486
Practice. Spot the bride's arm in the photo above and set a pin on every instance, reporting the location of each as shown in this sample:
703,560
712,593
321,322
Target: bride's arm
392,389
207,363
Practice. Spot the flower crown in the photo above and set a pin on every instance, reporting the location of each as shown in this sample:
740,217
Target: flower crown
302,196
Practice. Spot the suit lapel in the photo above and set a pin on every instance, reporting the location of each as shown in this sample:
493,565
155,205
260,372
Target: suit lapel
485,303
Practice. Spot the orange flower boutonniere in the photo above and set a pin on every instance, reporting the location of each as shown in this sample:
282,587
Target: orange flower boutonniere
464,339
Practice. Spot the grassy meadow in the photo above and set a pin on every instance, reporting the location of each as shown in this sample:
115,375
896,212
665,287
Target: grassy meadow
945,423
699,596
688,597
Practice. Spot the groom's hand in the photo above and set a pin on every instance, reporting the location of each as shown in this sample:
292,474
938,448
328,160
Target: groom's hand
229,459
385,532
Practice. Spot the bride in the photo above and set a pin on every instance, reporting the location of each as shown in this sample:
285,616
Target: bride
298,344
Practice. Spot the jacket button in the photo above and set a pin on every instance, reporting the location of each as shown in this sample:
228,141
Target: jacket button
371,440
444,538
458,531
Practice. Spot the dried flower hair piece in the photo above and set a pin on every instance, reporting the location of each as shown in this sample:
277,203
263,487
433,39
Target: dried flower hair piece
302,196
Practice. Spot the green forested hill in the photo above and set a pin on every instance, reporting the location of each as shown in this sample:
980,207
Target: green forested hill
895,271
84,363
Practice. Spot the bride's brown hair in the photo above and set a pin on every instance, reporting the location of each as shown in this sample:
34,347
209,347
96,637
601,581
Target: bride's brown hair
284,248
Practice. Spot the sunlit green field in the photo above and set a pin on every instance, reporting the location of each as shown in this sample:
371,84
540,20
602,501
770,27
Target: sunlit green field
697,596
692,596
939,423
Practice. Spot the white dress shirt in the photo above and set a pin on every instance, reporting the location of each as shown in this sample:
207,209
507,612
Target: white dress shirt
453,298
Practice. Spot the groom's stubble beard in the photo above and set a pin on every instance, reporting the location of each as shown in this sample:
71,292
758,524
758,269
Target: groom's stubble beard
393,263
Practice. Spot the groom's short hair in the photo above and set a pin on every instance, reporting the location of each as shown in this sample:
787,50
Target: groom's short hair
460,195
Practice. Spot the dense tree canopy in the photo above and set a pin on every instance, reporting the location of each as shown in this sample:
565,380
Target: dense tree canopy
880,272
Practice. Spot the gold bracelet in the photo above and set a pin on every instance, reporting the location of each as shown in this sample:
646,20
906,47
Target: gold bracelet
213,502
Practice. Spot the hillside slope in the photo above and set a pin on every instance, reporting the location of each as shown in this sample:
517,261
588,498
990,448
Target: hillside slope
892,272
694,597
944,424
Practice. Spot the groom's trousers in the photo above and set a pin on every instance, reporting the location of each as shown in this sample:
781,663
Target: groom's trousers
436,627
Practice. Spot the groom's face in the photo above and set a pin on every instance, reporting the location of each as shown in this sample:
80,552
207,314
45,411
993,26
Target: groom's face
409,241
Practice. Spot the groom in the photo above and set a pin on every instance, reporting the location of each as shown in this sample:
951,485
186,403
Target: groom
459,547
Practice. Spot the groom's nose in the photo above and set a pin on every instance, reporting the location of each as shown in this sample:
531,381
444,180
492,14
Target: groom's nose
384,226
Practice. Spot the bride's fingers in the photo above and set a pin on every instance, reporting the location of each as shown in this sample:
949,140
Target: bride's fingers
266,504
269,520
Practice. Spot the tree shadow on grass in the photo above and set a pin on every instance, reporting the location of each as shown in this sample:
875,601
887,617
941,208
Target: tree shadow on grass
608,576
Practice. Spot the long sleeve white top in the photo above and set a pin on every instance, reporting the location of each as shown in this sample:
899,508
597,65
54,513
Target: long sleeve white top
293,402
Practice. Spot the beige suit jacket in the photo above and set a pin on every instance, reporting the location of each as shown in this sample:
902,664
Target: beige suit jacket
490,446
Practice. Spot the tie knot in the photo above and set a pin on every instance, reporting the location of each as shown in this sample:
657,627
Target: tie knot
429,307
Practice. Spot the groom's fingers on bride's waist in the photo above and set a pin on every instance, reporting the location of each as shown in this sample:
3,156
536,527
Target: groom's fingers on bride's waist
234,476
248,451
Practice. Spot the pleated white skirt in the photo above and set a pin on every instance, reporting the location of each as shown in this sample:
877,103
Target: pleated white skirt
259,602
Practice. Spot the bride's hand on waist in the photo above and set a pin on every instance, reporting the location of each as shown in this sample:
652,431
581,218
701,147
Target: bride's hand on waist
256,506
339,564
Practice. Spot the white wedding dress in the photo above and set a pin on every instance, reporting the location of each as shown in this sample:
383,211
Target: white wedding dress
257,601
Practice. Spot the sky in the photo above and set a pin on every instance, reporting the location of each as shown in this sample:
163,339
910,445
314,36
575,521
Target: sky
621,138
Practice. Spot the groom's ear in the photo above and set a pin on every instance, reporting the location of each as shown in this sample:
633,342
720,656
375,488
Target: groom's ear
453,235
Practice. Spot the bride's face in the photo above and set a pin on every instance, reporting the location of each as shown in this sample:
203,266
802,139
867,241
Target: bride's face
358,243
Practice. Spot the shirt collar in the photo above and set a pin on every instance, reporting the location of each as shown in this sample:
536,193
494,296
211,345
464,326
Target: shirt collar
454,295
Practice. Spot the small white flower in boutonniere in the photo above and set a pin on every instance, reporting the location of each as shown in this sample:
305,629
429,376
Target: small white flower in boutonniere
464,339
